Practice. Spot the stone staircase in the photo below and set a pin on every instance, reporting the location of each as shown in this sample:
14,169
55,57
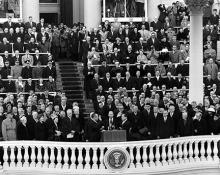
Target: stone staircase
72,84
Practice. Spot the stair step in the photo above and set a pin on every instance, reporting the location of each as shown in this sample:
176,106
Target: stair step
70,78
69,75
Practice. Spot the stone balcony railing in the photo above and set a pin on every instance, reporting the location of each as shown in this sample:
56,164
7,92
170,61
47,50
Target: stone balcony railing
190,155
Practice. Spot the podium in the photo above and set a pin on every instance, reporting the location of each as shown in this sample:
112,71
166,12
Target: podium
114,136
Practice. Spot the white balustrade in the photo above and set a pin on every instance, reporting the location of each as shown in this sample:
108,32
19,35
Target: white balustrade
89,157
164,155
191,152
138,158
144,157
73,159
131,148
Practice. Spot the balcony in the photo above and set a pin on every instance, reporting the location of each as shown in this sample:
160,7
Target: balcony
190,155
121,11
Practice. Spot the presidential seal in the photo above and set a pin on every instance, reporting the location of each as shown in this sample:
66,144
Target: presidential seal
117,159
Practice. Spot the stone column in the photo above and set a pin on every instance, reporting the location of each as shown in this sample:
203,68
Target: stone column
196,91
92,13
31,8
153,10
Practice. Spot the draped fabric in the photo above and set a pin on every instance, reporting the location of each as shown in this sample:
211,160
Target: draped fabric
131,8
66,9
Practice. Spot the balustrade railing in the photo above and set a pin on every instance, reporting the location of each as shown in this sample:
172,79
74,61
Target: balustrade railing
147,156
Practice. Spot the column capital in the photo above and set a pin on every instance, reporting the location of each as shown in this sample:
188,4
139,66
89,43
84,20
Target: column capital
196,5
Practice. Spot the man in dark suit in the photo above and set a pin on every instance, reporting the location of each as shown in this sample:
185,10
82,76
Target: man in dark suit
135,120
182,68
158,80
103,69
19,45
125,125
112,35
93,128
50,70
185,125
28,36
41,34
109,122
118,82
70,133
153,121
64,106
169,81
38,58
153,41
107,82
26,71
165,126
199,124
128,81
40,25
30,23
8,24
116,56
10,85
129,56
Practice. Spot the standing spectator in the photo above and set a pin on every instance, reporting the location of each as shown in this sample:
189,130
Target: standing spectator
9,128
211,69
93,128
22,130
165,126
40,129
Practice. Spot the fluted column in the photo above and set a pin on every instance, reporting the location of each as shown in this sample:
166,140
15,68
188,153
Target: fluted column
92,13
196,50
31,8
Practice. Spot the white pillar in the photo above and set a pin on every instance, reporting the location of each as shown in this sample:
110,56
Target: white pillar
31,8
92,13
196,57
153,10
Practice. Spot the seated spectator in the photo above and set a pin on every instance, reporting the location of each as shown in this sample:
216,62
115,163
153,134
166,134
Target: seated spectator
27,57
171,68
50,70
16,70
182,68
30,86
31,45
209,53
20,85
10,85
19,45
6,70
160,67
175,55
93,57
153,41
211,68
26,71
51,85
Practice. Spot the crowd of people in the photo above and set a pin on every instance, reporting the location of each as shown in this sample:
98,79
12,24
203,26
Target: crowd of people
136,74
27,78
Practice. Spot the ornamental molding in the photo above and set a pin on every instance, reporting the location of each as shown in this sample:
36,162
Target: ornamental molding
196,4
